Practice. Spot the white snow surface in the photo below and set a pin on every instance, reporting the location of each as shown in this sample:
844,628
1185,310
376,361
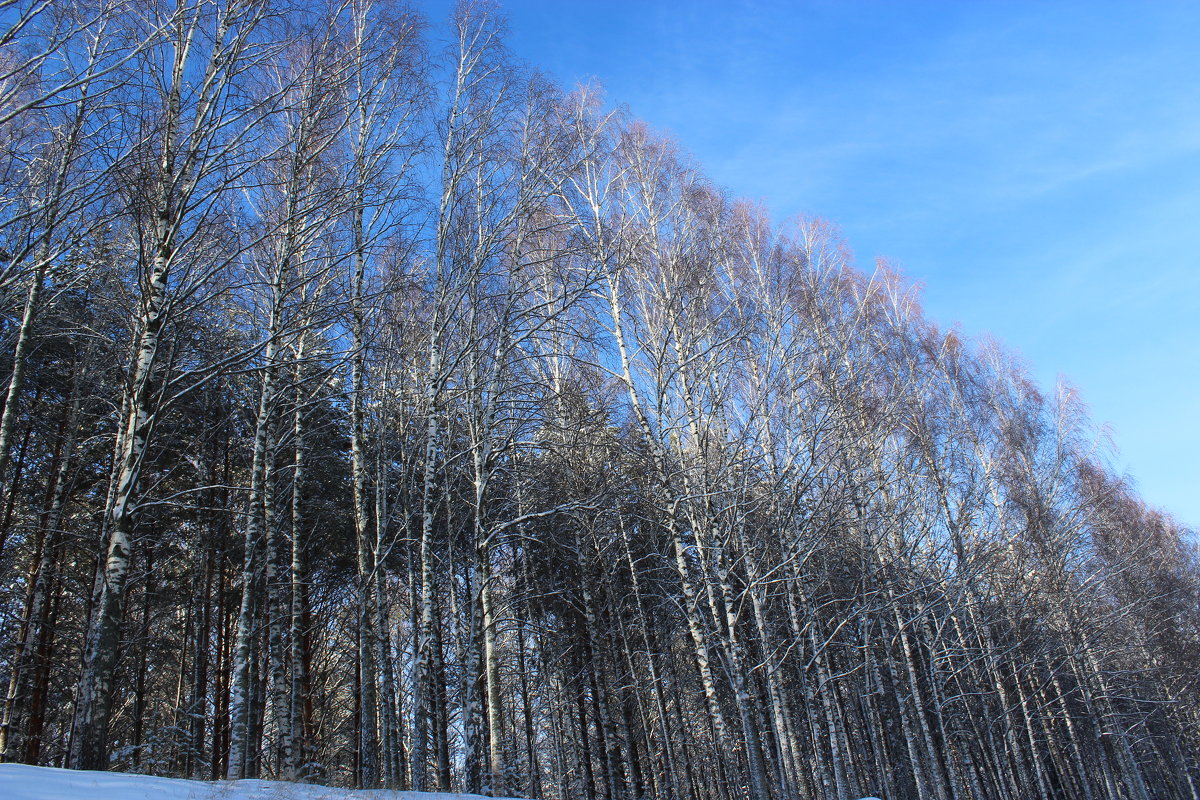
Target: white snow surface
23,782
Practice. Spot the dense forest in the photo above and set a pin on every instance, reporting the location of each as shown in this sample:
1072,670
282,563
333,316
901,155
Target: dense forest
379,413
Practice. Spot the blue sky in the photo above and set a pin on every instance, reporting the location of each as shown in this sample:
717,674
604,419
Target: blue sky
1036,166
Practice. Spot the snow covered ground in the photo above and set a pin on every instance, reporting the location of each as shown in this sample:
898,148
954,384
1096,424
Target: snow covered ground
23,782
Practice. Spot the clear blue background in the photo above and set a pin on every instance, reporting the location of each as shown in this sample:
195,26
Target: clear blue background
1034,165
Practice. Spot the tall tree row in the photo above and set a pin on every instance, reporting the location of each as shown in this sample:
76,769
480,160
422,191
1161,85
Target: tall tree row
377,413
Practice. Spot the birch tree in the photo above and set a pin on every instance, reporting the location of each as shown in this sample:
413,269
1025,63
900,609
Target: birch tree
179,171
379,413
299,204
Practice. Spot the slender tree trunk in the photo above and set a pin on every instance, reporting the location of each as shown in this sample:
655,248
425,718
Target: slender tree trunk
295,743
139,684
94,698
240,701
